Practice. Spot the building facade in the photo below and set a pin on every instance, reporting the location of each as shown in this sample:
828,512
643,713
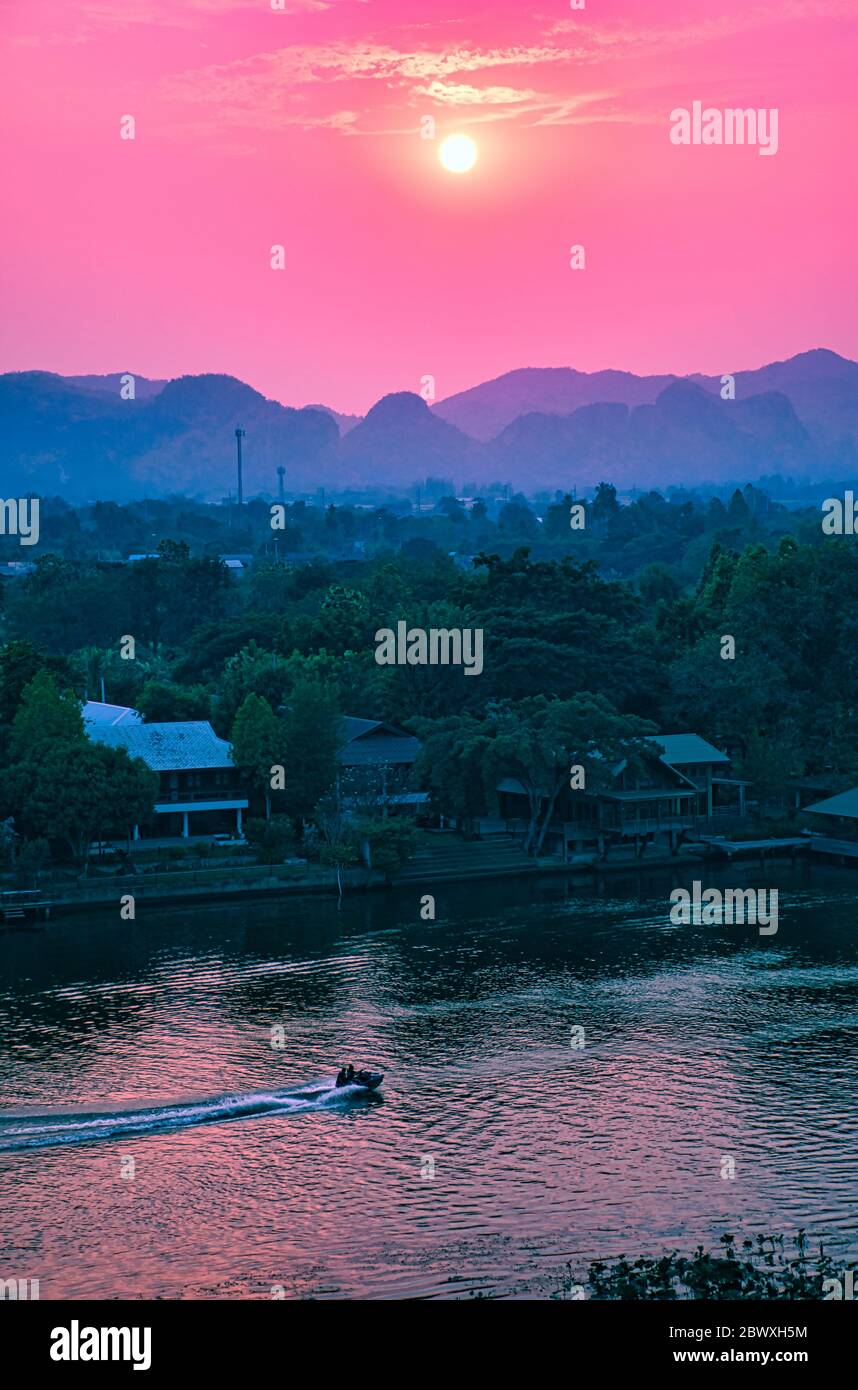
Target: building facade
679,786
200,791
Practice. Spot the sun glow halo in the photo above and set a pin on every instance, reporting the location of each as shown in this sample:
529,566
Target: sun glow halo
458,153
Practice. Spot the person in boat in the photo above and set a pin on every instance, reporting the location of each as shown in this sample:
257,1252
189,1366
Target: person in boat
350,1074
341,1076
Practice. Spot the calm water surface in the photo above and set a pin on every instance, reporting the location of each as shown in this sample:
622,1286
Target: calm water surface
152,1042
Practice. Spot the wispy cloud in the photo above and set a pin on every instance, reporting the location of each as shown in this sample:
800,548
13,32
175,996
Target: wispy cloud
88,20
599,43
179,15
461,94
258,90
381,82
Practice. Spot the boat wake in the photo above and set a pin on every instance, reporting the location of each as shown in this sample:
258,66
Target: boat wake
32,1131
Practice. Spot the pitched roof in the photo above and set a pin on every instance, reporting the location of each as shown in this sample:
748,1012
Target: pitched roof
688,748
95,712
372,741
844,804
188,745
623,764
353,728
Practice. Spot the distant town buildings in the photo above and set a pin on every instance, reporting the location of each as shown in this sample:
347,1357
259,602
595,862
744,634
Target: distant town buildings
15,569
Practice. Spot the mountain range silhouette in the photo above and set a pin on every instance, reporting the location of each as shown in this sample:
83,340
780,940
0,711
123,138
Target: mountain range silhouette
539,427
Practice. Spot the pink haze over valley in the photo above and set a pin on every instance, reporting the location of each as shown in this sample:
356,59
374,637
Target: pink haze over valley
301,127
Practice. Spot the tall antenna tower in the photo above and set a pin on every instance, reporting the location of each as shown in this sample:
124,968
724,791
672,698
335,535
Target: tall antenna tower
281,473
239,435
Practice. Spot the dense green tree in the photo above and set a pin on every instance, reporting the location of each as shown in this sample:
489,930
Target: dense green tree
91,665
80,792
715,582
538,741
388,843
272,838
130,792
20,661
738,512
605,505
725,699
165,702
657,584
344,622
252,671
557,518
770,759
62,786
452,765
517,518
47,718
174,552
433,691
312,739
258,745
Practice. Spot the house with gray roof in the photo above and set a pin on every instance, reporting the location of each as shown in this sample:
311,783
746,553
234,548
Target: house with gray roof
200,791
371,742
708,768
96,712
640,805
837,814
377,761
236,562
663,800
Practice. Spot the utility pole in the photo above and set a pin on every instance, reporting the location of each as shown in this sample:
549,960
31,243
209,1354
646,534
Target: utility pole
239,435
281,473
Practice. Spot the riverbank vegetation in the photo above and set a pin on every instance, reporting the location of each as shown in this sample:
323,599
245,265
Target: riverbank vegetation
766,1267
586,654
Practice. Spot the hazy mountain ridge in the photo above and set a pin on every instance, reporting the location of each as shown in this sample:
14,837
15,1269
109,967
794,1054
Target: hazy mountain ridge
821,386
485,410
144,387
83,443
344,422
78,438
401,439
687,434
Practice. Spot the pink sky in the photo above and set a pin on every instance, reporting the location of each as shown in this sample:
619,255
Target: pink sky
256,127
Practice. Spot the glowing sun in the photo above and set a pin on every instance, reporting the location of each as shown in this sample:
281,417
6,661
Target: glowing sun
458,153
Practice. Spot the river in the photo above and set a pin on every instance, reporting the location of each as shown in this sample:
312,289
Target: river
569,1077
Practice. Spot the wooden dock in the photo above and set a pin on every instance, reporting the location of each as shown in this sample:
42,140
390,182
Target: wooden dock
759,849
22,905
837,849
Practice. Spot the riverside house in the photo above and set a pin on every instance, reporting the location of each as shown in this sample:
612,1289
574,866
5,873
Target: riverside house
836,816
677,792
377,760
200,792
719,794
